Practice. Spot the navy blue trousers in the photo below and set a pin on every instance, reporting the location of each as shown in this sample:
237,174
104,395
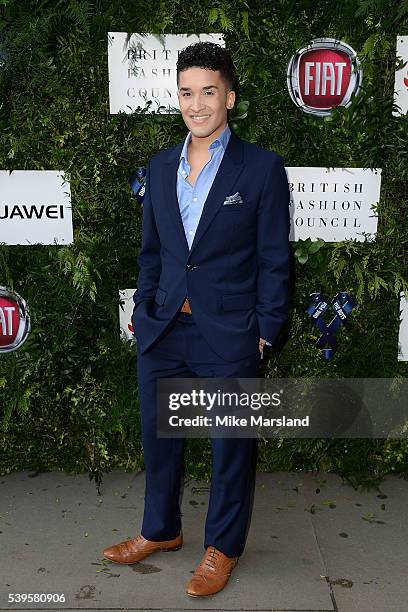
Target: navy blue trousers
183,352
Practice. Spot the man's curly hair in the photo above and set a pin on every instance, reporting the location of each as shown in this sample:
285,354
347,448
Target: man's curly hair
212,57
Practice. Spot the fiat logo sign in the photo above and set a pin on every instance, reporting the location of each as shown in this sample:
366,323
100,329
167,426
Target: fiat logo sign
324,74
14,321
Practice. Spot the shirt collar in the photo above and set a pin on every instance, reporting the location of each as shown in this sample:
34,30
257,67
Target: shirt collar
221,140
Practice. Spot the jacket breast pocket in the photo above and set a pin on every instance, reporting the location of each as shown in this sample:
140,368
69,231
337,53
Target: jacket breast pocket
234,216
237,209
239,301
160,296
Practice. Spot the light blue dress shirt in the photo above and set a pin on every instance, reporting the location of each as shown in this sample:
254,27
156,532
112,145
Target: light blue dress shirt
191,199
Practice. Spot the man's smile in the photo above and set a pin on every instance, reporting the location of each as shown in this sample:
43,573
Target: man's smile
199,118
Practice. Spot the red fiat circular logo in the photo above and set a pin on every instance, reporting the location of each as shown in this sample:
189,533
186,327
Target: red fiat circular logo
324,74
14,320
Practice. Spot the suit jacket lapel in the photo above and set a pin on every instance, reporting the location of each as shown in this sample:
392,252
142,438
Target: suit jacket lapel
228,172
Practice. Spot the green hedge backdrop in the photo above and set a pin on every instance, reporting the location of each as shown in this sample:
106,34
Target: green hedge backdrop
68,397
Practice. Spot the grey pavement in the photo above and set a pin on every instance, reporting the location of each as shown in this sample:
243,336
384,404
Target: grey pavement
314,544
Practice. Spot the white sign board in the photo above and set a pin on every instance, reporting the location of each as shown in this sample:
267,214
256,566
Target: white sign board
403,330
142,68
125,313
401,77
333,204
35,207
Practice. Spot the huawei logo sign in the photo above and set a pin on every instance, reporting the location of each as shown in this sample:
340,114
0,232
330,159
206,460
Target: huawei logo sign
406,80
324,74
14,321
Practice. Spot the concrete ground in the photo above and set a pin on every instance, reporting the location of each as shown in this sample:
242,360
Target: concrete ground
313,545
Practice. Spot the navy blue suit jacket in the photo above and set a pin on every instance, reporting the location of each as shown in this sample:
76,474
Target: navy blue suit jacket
237,271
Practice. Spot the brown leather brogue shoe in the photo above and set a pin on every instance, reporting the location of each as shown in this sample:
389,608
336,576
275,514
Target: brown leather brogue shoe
131,551
212,574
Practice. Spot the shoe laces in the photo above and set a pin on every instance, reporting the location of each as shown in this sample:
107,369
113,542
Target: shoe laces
131,543
211,557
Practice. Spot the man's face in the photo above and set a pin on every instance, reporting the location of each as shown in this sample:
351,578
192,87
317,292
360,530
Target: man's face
202,93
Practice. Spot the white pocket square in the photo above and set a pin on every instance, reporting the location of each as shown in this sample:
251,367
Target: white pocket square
233,199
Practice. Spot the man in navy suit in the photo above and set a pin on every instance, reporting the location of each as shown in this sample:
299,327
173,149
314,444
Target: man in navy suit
212,290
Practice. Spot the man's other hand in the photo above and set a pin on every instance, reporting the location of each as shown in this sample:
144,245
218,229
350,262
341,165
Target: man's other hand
262,343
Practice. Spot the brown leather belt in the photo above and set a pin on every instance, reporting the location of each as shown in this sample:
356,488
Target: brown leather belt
186,307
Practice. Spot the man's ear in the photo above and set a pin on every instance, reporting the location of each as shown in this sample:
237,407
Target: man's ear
231,102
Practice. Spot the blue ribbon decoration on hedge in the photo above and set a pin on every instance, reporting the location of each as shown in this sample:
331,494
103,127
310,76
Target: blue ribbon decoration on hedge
137,183
342,304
